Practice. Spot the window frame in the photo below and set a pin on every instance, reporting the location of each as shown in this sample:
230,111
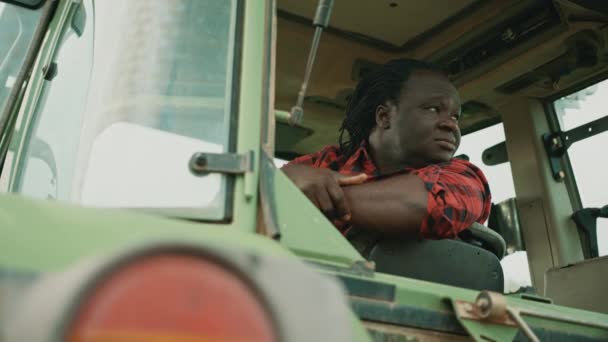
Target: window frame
553,122
9,111
15,175
554,127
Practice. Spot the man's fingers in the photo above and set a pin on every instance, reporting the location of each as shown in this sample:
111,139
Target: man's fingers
339,202
352,180
312,197
325,204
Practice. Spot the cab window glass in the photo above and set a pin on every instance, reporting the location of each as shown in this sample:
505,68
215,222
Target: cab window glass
586,156
499,176
500,179
17,26
128,108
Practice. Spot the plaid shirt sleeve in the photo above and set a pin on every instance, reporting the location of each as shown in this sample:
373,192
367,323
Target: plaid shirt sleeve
458,192
325,158
458,196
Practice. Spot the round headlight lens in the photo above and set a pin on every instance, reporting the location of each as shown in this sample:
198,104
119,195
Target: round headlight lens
172,297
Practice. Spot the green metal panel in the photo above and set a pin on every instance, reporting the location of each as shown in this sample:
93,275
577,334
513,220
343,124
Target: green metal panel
304,229
251,105
419,298
47,236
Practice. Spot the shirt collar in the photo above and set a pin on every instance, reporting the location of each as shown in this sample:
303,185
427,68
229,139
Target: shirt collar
361,161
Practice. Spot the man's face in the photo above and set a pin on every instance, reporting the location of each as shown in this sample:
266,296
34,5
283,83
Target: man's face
424,126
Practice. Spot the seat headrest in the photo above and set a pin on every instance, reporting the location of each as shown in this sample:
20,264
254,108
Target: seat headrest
490,239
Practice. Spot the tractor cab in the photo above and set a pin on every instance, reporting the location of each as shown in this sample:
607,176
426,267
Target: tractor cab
142,196
523,68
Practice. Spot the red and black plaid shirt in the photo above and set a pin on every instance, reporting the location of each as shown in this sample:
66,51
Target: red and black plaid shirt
458,191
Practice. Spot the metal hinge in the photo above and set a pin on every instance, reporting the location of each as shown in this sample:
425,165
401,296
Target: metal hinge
556,144
203,163
491,307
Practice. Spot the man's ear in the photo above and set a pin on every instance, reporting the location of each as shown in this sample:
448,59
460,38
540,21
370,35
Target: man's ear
383,116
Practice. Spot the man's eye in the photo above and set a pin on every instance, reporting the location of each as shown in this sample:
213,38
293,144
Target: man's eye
456,117
433,109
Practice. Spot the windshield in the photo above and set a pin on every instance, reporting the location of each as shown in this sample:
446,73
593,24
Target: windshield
17,26
141,86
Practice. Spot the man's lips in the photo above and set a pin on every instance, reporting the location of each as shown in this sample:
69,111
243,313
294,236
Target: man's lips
447,144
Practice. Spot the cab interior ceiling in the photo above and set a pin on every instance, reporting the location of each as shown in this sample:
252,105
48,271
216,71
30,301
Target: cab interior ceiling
492,50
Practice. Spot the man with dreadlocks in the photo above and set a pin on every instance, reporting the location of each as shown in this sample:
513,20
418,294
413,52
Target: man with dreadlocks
395,173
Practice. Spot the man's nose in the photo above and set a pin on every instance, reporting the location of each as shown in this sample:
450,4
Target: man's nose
449,124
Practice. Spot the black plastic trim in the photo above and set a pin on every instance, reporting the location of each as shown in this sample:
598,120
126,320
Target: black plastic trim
36,4
368,289
405,315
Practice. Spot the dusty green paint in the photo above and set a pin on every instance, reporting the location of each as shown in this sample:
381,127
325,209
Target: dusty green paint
438,297
47,236
304,230
281,116
250,112
480,331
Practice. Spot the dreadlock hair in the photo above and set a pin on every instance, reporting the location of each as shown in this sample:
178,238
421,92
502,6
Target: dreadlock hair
376,88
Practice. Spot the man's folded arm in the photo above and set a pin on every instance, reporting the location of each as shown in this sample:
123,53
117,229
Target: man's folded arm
394,205
437,206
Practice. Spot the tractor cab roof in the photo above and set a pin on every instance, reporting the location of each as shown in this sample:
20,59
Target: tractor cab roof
492,50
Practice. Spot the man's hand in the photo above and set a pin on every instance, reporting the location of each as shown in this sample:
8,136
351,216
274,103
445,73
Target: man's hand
324,188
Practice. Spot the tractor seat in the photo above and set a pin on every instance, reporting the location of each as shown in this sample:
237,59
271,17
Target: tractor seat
472,261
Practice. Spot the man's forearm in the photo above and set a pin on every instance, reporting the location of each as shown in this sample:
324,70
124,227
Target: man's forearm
396,204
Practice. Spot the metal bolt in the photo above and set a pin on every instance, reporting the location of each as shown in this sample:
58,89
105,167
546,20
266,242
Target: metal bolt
483,304
555,142
198,164
555,85
561,175
201,161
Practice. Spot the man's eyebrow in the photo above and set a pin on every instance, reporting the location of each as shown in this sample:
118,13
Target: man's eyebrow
441,98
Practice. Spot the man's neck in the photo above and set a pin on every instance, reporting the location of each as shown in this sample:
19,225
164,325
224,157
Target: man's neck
384,163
